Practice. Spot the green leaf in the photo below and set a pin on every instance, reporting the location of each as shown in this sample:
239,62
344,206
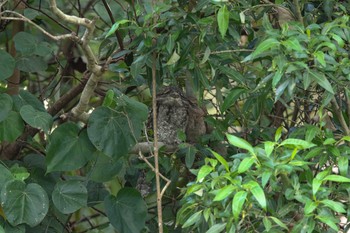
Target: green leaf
343,164
69,196
267,224
310,206
293,44
231,98
190,155
278,133
109,99
257,192
203,172
193,219
316,184
104,168
173,59
265,177
246,164
224,192
31,64
23,203
36,119
269,147
69,148
237,203
321,80
115,26
217,228
221,160
240,142
337,178
5,175
336,206
19,173
262,47
205,56
279,222
127,212
7,65
297,143
276,78
319,55
109,129
10,134
328,221
223,20
6,104
25,98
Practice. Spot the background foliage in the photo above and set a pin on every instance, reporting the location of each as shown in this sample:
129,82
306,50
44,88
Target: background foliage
273,78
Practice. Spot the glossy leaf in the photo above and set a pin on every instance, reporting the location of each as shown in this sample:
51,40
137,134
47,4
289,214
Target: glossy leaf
237,203
297,143
36,119
7,65
223,20
193,219
246,164
127,211
217,228
336,206
69,148
115,27
343,164
240,143
263,47
203,172
279,222
69,196
24,203
221,160
224,192
257,192
337,178
293,44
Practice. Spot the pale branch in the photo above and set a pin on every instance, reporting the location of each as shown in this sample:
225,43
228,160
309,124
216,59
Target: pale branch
23,18
70,18
340,116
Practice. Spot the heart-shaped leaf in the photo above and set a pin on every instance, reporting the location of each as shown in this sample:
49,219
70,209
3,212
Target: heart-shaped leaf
10,134
69,196
69,148
6,105
36,119
24,203
127,212
7,65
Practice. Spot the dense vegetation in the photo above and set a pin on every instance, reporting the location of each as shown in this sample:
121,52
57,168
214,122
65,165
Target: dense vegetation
174,116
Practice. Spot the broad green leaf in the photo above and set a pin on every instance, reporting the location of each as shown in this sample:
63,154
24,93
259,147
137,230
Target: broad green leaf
221,160
237,203
109,99
321,79
31,63
6,104
104,168
217,228
337,178
193,219
19,173
246,164
269,147
297,143
343,165
314,152
69,196
115,26
10,134
203,172
328,221
240,142
25,43
2,229
36,119
279,222
69,148
127,211
293,44
7,65
24,203
336,206
120,128
257,192
311,133
27,98
223,20
231,98
276,78
5,175
310,206
224,192
173,59
265,178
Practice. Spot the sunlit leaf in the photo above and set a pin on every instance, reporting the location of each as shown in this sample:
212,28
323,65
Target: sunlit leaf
246,164
223,20
240,143
237,203
224,192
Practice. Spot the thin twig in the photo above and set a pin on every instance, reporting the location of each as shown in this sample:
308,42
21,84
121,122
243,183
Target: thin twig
340,116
